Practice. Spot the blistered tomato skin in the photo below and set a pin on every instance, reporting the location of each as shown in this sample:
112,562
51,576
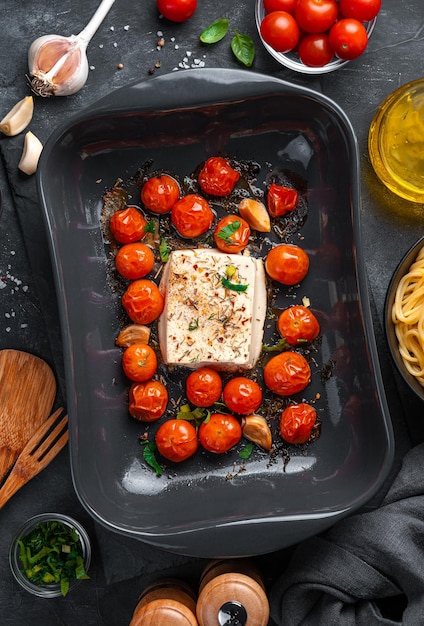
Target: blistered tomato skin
242,395
281,200
217,177
127,225
192,216
287,264
148,400
160,193
297,324
143,301
176,440
297,422
203,387
287,373
134,260
139,362
220,433
231,234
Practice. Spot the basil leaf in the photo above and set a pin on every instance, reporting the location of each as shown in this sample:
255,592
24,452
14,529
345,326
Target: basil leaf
215,32
149,456
246,452
243,48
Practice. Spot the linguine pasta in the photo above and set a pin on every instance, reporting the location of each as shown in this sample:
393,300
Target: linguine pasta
408,318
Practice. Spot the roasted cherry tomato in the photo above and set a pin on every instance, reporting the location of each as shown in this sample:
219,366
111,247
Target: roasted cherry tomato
280,5
348,38
160,193
220,433
217,177
176,440
203,387
296,422
242,395
316,16
192,216
287,373
134,260
298,325
287,263
362,10
281,200
128,225
231,234
279,30
177,10
314,50
139,362
148,400
143,301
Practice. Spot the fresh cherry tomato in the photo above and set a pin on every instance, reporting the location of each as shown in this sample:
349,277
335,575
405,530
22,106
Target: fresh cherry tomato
176,440
297,421
148,400
220,433
287,373
316,16
203,387
217,177
280,5
134,260
362,10
280,30
160,193
139,362
128,225
348,38
314,50
231,234
143,301
298,325
192,216
177,10
242,395
281,200
287,263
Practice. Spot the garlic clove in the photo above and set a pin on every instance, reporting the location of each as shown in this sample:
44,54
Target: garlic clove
18,117
255,214
256,429
31,154
134,333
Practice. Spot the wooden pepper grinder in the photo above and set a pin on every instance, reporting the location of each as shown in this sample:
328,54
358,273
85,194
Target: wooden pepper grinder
166,602
232,592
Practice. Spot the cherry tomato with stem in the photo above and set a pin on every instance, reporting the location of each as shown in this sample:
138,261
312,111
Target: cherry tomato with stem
316,16
281,200
128,225
297,324
231,234
287,264
148,400
348,38
192,216
203,387
314,50
362,10
280,30
217,177
143,301
280,5
220,433
176,440
134,260
139,362
177,10
160,193
287,373
242,395
297,422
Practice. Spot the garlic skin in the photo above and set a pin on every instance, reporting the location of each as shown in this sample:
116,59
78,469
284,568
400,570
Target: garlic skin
18,117
31,154
134,333
58,66
255,214
256,429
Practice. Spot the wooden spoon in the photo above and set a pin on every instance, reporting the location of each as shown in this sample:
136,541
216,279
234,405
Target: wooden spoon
27,393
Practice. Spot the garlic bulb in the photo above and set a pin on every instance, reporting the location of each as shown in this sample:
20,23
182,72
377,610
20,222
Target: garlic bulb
18,117
58,65
31,154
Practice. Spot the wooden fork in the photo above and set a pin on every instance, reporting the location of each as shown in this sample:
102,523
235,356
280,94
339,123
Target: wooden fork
43,446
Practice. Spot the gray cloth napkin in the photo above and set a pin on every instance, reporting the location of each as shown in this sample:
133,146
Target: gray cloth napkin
363,565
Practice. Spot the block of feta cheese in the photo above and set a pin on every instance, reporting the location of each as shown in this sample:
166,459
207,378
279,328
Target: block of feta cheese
215,308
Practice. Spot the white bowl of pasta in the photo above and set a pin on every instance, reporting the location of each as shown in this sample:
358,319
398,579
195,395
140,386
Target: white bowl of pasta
404,317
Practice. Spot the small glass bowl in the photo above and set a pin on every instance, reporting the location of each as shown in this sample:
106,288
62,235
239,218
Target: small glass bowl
290,59
396,141
49,590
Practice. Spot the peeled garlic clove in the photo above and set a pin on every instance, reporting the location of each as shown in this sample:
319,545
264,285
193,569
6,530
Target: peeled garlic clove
31,154
256,429
18,117
255,214
134,333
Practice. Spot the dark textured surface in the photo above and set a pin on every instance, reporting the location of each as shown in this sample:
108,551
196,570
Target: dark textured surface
27,312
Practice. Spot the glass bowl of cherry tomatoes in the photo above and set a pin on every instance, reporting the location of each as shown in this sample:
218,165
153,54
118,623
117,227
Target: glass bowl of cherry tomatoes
316,36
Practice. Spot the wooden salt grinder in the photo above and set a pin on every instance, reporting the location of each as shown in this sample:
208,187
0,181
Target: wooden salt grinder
166,602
